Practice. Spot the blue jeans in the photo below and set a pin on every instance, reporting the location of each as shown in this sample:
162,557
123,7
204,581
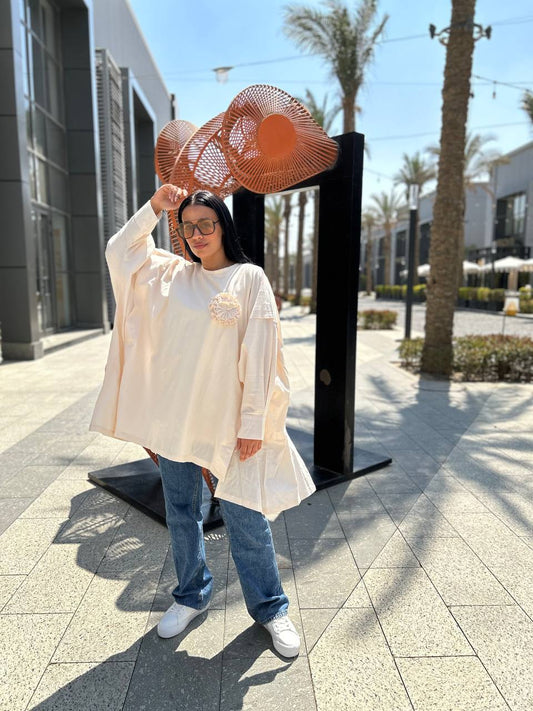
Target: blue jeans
250,540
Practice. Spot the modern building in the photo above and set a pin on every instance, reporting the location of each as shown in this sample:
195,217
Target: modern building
81,104
497,220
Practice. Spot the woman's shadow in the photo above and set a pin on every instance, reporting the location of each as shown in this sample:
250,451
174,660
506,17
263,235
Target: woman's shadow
117,542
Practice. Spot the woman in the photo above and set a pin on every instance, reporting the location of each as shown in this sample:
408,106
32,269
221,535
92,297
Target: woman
196,373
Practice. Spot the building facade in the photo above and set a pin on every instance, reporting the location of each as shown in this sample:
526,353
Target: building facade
81,104
498,221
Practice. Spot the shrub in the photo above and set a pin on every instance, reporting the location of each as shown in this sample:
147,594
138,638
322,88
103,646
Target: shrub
419,292
489,358
483,293
410,350
374,318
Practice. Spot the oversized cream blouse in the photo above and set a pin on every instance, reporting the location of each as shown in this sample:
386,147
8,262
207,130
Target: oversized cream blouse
195,362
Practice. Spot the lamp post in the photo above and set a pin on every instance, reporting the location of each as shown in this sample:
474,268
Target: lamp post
413,210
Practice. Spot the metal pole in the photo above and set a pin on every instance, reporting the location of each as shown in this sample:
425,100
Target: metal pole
413,200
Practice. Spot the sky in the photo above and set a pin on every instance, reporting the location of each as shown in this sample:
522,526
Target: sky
401,99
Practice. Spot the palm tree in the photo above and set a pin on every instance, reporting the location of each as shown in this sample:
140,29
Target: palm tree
448,211
415,171
527,104
478,162
387,208
274,220
287,207
323,115
368,221
346,40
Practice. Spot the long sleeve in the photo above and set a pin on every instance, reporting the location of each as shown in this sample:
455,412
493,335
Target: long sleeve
258,362
130,248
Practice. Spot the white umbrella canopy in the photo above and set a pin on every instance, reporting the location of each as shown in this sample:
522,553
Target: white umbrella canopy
527,266
508,264
423,270
470,267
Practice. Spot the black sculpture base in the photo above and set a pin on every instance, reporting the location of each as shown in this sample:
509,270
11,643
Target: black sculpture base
139,482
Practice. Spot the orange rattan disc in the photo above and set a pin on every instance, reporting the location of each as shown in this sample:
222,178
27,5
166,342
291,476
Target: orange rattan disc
272,142
172,137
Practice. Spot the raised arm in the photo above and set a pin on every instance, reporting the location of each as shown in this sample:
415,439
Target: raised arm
131,246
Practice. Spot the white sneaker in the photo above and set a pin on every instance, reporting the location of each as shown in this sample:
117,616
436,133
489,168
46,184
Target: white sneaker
284,636
176,619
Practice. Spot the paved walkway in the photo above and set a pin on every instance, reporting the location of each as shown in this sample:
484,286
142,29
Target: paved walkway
411,586
466,321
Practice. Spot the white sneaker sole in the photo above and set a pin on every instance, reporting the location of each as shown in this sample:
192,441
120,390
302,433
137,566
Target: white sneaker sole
175,634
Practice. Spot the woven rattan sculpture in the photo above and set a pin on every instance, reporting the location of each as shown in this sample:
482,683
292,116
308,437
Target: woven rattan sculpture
271,141
173,136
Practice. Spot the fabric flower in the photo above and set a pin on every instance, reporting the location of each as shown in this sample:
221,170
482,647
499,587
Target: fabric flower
225,308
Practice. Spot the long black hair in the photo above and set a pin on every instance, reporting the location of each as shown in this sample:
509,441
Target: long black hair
230,239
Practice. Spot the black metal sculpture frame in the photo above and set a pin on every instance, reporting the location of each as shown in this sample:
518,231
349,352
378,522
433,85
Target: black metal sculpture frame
330,453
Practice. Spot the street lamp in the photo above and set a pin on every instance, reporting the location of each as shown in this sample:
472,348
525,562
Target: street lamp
413,209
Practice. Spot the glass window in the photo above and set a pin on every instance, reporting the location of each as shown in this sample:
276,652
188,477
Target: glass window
59,232
39,130
39,86
29,122
55,143
35,17
53,82
58,188
32,176
43,194
50,33
25,60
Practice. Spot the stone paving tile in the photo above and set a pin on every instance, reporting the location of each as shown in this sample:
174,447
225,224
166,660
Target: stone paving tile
450,684
396,554
492,540
359,596
313,518
324,571
518,581
515,510
502,638
70,687
10,510
424,519
314,622
59,500
355,495
56,584
352,668
413,616
30,481
182,672
266,684
8,586
457,573
110,620
399,505
23,660
367,534
23,544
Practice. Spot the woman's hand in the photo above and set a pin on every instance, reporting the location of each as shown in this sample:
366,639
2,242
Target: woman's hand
167,198
248,447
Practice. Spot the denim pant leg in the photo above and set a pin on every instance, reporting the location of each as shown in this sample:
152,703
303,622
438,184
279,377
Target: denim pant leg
252,550
182,487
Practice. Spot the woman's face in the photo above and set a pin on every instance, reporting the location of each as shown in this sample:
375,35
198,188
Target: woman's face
204,246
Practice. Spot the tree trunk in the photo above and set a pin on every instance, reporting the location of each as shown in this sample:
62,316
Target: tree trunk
314,278
287,218
348,112
368,260
302,200
386,250
437,355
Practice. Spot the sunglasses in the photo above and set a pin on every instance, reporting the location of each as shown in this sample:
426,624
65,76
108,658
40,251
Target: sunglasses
205,227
